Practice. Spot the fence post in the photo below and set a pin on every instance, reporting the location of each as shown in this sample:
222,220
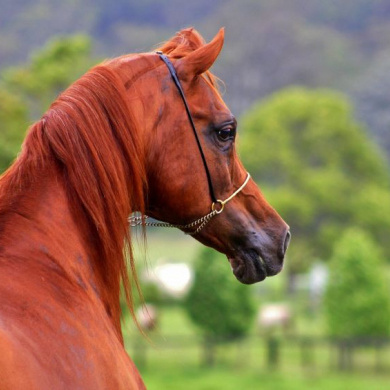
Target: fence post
379,367
307,355
209,344
273,351
346,349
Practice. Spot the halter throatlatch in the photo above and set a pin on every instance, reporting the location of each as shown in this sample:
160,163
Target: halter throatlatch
217,205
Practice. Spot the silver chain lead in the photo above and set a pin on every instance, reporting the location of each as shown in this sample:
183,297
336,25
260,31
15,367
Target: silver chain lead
200,223
141,220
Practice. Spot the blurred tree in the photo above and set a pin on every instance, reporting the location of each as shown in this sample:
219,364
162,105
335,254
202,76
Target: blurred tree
222,308
49,71
27,91
357,301
318,168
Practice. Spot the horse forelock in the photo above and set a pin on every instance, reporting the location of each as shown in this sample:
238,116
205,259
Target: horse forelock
183,43
91,134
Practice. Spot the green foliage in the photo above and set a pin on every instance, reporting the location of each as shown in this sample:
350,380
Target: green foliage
27,91
13,119
220,306
312,160
357,301
50,71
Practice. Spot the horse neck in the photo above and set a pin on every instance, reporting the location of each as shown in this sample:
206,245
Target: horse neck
43,214
56,237
86,154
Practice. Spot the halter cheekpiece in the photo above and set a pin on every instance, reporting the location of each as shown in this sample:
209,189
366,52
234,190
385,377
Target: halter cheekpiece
217,205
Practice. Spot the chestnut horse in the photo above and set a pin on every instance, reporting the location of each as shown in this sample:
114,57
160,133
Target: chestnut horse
117,141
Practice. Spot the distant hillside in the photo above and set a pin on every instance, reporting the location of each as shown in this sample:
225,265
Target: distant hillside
269,43
127,25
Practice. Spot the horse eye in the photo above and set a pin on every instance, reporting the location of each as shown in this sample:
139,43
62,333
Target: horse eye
226,134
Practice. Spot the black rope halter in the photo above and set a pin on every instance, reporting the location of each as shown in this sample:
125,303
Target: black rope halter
176,80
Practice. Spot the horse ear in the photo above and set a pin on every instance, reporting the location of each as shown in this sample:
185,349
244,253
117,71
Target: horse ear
200,60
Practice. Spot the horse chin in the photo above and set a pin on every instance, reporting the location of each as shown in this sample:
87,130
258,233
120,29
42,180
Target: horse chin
249,267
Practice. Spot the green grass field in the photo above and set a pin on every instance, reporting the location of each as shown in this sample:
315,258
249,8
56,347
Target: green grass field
172,358
228,379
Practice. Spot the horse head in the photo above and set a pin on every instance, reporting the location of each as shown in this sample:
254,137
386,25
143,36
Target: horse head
248,230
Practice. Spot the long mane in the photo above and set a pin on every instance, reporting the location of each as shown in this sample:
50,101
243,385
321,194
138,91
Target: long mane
92,137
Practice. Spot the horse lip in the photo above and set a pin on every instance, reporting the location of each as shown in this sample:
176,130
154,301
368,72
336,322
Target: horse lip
272,266
251,265
248,267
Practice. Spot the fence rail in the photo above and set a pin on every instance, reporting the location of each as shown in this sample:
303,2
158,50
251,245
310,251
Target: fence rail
270,352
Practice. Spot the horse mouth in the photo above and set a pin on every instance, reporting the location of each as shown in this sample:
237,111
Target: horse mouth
250,267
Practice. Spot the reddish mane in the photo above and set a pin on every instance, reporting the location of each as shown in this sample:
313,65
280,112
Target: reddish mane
90,135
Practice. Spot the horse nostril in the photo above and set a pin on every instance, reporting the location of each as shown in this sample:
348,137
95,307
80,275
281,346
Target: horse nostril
286,241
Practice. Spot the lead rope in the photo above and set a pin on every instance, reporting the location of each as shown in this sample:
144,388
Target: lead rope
199,223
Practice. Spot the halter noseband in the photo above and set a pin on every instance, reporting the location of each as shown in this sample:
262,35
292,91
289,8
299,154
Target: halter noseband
200,223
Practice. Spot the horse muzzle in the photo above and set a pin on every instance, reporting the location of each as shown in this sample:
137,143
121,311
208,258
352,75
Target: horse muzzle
253,264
